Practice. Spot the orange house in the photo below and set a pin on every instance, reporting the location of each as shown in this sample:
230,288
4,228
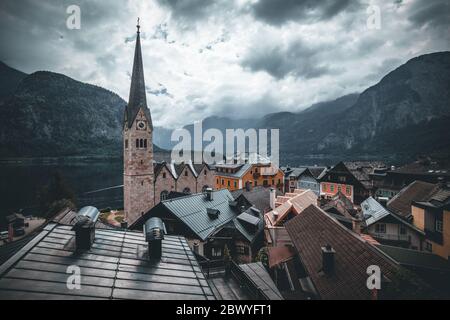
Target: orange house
238,176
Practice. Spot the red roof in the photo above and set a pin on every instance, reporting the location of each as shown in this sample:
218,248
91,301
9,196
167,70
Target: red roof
314,229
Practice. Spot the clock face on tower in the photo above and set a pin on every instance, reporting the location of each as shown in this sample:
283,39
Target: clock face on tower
141,125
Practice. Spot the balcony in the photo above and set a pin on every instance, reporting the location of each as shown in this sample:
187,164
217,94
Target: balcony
392,237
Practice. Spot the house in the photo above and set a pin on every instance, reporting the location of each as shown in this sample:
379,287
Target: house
388,228
258,197
303,178
257,171
351,178
115,264
210,221
286,207
389,181
416,191
335,262
182,178
341,208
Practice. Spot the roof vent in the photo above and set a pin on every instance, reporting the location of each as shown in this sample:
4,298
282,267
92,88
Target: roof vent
154,231
328,259
209,194
212,213
84,227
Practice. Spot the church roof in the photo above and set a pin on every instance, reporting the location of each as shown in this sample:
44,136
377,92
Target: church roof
137,99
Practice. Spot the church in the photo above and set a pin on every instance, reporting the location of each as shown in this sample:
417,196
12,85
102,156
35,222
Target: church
145,182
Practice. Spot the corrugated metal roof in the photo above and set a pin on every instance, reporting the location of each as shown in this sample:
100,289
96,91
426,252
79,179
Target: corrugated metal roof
192,210
373,211
116,267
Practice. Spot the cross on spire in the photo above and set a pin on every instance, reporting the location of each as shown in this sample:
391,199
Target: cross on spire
138,26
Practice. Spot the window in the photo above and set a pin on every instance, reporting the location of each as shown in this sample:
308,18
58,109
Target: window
223,183
242,250
439,226
339,188
332,187
380,228
217,180
428,247
137,143
402,230
204,172
164,175
141,143
348,190
142,182
256,170
235,184
256,183
164,195
126,144
265,182
324,187
145,143
273,182
185,173
216,252
228,182
186,190
342,178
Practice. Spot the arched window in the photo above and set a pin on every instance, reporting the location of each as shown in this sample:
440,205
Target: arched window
145,143
137,143
204,188
186,190
141,143
164,195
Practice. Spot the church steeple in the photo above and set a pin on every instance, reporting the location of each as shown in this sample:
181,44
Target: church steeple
137,97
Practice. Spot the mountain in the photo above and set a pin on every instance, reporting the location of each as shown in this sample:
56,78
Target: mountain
9,79
402,116
50,114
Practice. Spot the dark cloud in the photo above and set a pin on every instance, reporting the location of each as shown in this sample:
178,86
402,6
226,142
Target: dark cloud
278,12
431,13
160,91
294,59
191,9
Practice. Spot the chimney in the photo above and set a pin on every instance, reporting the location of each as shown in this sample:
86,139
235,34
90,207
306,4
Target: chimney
356,223
209,194
124,225
328,254
273,197
85,227
154,231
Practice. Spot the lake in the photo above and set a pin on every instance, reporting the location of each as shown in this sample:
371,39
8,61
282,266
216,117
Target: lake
19,183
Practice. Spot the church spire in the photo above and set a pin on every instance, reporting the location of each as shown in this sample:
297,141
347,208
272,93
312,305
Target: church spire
137,97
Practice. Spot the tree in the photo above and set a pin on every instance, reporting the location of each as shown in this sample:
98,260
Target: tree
55,196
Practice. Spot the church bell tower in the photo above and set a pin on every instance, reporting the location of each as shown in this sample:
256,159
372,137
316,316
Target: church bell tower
137,145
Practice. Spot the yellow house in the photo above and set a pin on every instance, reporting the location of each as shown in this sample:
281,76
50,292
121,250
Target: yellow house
434,218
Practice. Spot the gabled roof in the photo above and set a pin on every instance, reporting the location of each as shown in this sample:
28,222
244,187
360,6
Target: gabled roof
191,210
116,267
258,196
294,202
362,170
137,99
249,224
314,229
243,168
374,212
416,191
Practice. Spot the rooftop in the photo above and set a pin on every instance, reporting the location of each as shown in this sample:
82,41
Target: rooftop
258,196
116,267
314,229
416,191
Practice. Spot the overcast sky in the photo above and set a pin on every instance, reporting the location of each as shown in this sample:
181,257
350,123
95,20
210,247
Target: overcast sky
237,58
